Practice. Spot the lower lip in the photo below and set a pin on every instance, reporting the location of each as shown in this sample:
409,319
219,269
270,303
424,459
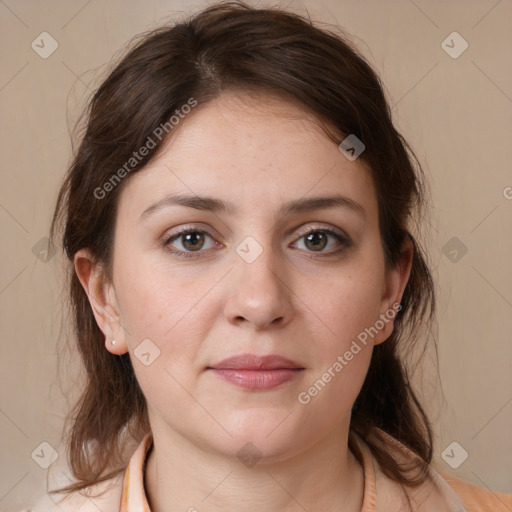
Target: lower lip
258,380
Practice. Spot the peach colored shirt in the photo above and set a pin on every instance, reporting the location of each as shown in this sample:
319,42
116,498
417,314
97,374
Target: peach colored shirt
442,493
439,493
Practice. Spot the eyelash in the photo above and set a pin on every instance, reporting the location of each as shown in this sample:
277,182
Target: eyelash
345,241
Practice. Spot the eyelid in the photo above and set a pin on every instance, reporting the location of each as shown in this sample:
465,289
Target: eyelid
183,230
342,237
299,233
187,228
319,226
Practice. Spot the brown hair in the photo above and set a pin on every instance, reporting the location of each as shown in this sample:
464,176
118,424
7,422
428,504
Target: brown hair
238,47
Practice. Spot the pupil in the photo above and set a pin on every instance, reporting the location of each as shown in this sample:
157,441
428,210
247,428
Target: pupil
192,239
318,240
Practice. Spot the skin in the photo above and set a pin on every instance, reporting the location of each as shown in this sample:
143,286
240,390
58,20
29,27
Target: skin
292,300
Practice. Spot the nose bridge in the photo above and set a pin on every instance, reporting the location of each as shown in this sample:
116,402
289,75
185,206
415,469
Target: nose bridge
261,294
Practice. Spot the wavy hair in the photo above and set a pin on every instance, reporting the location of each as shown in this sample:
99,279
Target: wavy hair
234,46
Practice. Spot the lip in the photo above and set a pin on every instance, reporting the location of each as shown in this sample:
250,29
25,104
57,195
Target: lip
255,362
257,373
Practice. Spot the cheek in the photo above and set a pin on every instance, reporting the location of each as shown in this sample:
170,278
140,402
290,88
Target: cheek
164,314
347,306
158,301
343,346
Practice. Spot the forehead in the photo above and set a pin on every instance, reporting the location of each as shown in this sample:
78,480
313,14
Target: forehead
250,151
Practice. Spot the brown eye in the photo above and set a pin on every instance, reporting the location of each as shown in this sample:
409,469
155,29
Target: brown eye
189,241
316,241
323,241
193,241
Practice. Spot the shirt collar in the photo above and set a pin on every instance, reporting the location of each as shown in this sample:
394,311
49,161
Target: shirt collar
133,495
381,493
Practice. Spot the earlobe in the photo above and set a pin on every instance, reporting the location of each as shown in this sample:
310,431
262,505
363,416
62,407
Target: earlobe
114,347
102,300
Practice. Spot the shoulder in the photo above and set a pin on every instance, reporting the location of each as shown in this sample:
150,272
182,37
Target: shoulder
441,491
104,496
478,499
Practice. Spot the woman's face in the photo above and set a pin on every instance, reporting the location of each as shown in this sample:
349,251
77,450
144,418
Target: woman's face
273,273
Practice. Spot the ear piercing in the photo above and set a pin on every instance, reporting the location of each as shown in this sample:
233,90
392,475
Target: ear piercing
113,342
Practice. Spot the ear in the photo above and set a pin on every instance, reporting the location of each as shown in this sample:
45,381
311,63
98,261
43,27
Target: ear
103,301
395,282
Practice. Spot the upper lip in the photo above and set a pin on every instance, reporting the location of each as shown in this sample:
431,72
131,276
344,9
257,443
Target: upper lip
255,362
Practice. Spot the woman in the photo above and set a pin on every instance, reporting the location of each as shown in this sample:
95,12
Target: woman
244,279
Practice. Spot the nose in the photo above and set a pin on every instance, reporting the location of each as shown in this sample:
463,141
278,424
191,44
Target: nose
261,293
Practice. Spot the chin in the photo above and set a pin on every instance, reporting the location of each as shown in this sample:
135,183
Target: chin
264,434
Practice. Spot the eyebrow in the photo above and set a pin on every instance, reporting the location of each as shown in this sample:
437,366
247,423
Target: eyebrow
211,204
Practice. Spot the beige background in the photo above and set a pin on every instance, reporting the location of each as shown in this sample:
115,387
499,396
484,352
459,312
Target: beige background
456,113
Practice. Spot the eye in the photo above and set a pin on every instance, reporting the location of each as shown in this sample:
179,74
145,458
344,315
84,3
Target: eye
317,240
189,241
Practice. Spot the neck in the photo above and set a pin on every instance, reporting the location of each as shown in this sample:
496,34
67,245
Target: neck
181,476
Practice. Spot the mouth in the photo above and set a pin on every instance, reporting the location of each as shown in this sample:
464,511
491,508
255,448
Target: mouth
257,373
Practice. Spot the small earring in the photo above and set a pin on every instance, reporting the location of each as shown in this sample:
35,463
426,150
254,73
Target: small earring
113,342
